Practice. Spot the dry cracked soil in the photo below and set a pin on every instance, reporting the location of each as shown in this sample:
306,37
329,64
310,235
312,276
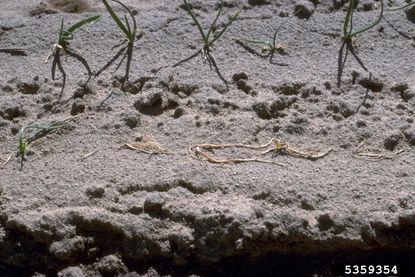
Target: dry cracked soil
151,176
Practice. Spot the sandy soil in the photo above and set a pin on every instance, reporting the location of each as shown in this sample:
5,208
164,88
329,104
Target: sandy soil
86,204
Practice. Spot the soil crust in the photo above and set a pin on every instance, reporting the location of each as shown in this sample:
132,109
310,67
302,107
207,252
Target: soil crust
239,163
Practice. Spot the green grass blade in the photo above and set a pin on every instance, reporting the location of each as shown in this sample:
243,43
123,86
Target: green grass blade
351,24
23,142
205,39
214,22
127,24
373,24
44,129
274,38
81,23
22,147
131,35
61,29
232,19
347,22
66,36
115,18
61,39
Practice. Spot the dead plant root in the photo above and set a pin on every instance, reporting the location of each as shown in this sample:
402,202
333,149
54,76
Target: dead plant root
146,144
279,148
378,156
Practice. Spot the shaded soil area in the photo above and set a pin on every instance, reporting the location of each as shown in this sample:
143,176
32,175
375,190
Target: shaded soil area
323,264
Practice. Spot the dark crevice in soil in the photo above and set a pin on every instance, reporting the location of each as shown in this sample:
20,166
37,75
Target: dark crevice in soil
18,249
272,264
163,187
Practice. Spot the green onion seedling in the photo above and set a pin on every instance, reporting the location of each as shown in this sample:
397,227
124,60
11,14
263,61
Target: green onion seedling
269,47
65,36
348,32
207,40
130,33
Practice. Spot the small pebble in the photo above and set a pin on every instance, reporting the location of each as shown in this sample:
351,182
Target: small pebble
304,8
132,120
240,76
407,95
178,112
95,192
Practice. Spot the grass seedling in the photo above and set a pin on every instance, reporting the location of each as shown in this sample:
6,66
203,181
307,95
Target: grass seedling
42,130
61,48
349,35
131,32
269,47
206,37
65,36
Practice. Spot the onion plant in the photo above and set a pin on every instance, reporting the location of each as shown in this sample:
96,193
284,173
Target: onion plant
269,46
348,32
65,36
131,31
211,35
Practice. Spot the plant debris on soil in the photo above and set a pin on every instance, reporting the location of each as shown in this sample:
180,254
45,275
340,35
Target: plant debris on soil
253,164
